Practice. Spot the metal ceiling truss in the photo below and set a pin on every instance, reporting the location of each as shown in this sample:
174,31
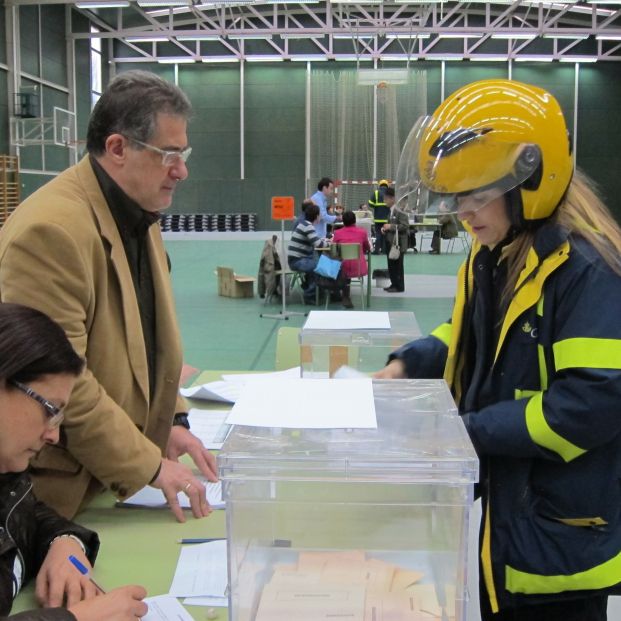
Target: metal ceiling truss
235,30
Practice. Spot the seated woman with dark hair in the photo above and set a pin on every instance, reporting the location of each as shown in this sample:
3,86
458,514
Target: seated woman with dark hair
352,268
38,368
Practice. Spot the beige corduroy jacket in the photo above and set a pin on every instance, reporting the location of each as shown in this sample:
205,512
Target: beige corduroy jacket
61,252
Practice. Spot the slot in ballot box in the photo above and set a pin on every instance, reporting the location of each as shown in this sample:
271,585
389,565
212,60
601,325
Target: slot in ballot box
323,351
363,524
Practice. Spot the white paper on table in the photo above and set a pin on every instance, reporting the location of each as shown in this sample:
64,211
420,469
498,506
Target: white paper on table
225,392
304,404
209,426
218,602
201,570
154,498
165,608
258,377
356,320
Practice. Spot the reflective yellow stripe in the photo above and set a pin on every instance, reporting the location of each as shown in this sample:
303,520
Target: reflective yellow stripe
543,369
598,577
583,522
528,292
486,562
518,393
542,434
443,333
587,353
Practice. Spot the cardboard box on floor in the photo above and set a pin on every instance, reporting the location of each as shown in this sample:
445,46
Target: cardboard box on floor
232,286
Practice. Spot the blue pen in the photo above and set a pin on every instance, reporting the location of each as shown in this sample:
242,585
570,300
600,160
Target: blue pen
84,571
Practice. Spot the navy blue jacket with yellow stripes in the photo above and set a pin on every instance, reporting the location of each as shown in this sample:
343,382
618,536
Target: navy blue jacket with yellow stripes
548,429
381,211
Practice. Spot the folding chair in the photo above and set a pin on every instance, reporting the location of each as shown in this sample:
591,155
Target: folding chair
287,348
350,252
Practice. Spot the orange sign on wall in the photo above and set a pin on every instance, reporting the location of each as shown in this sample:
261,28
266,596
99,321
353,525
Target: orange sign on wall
283,207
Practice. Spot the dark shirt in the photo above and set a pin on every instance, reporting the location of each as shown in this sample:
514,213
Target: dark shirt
133,223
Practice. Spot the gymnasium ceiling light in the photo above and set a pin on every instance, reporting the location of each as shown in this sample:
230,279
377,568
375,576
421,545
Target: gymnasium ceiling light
113,4
516,36
174,60
460,35
578,59
199,37
147,38
164,3
259,36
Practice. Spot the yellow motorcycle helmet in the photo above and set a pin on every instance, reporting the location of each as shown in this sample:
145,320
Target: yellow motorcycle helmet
383,182
493,136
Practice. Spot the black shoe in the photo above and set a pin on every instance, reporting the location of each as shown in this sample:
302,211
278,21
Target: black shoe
347,303
391,289
415,250
434,252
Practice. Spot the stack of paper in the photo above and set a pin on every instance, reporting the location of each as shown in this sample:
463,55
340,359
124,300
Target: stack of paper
228,389
165,608
153,498
327,585
201,576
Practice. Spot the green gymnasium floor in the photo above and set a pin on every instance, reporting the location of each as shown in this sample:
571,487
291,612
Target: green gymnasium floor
228,333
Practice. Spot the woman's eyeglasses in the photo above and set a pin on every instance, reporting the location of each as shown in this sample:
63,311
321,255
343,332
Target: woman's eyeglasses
54,414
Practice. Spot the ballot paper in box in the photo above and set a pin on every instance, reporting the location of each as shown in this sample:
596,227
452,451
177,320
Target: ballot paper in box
360,340
359,523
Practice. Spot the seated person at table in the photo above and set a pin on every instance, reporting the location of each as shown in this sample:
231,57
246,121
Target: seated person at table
38,368
302,213
301,255
352,268
448,227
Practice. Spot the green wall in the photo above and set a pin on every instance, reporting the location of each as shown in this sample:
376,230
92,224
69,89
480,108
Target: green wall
274,117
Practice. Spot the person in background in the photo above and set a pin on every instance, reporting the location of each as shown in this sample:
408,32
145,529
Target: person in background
86,249
398,226
301,255
533,351
302,214
380,211
448,227
38,370
350,268
321,198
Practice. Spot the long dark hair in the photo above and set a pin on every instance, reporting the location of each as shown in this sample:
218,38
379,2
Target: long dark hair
33,345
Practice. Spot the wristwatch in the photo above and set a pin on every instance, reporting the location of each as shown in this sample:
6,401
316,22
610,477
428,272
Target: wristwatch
181,419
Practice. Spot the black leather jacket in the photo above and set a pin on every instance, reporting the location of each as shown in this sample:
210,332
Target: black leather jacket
27,528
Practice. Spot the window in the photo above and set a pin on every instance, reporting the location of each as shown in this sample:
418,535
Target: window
96,60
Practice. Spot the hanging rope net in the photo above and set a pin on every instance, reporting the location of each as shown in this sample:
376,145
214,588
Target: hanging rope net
344,114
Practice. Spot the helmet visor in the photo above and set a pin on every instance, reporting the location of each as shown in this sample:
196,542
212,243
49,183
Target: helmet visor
451,171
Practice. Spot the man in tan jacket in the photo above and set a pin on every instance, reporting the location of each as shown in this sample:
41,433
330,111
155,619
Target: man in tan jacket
86,249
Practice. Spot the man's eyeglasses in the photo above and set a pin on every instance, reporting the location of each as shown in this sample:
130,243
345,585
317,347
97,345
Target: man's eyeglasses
169,158
55,415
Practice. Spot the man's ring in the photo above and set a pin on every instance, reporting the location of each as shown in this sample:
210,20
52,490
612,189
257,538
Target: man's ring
187,486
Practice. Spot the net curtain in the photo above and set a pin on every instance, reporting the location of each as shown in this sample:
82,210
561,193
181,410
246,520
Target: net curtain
341,124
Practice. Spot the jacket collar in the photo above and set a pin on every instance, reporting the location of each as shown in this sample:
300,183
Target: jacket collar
110,234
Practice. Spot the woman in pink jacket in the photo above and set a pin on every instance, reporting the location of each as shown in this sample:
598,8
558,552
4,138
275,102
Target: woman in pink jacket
352,268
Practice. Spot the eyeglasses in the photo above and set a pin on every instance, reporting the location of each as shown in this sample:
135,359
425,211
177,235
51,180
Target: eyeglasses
55,415
169,158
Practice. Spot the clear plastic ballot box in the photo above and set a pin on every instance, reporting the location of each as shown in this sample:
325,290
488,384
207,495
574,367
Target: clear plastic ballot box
324,351
358,524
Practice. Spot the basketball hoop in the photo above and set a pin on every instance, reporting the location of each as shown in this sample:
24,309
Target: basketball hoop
382,92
